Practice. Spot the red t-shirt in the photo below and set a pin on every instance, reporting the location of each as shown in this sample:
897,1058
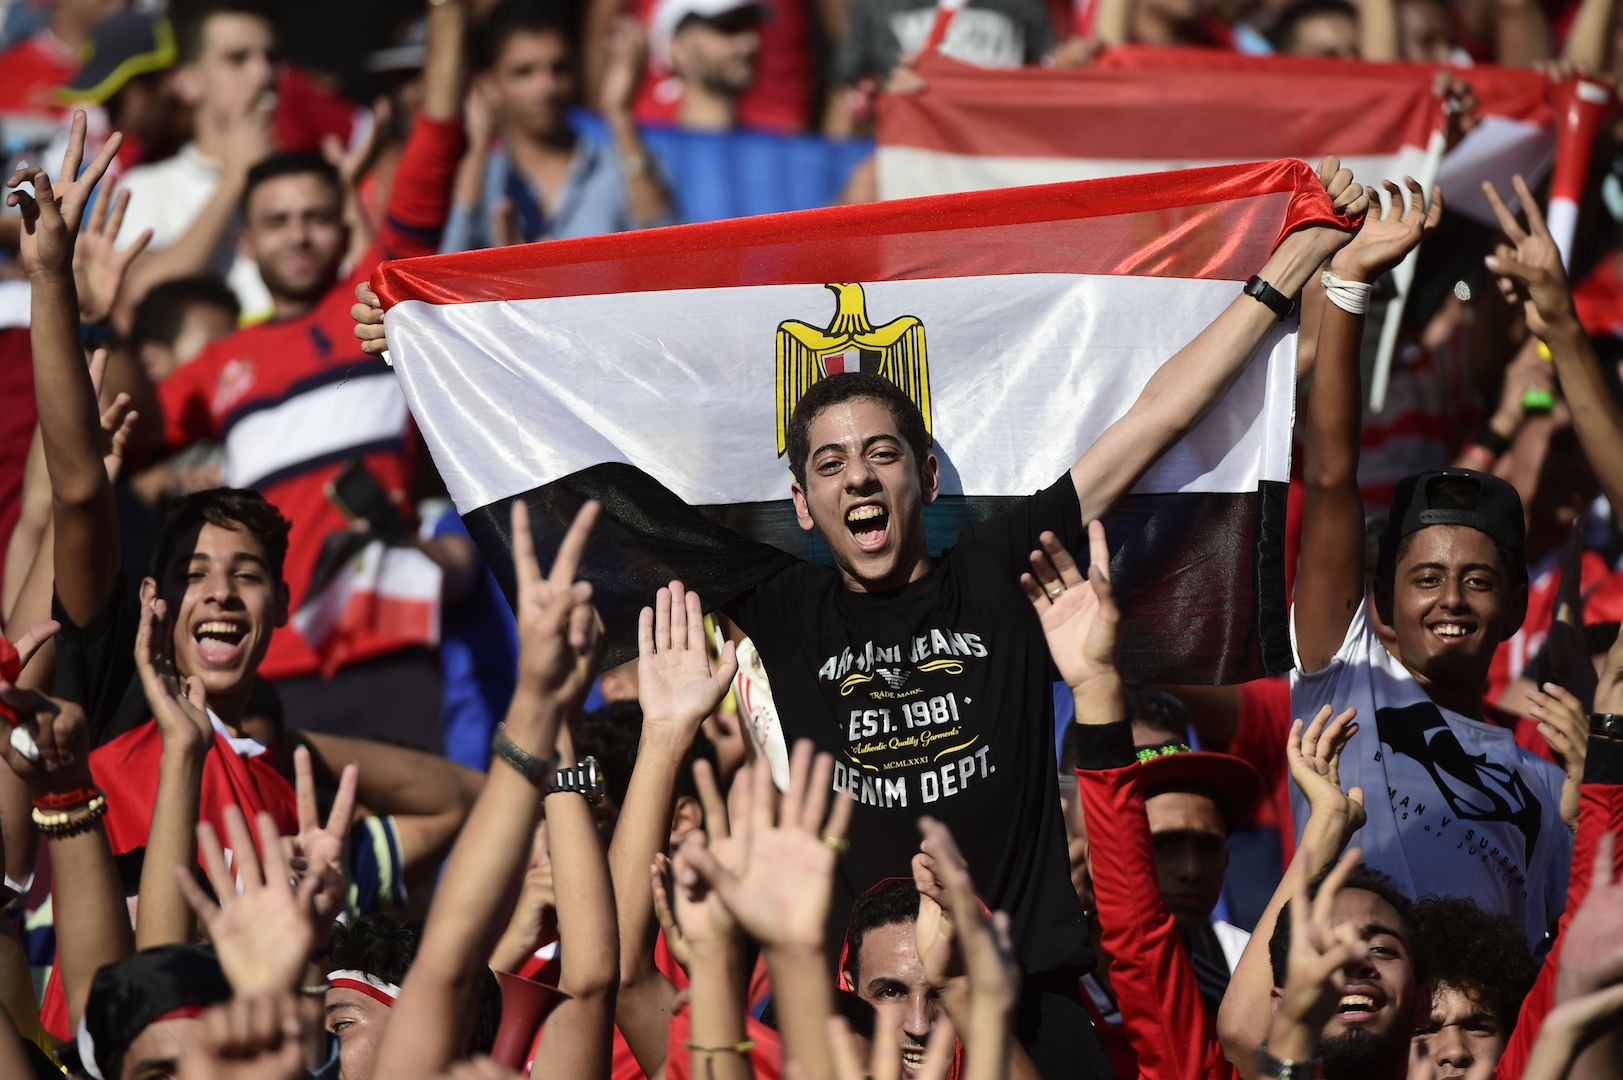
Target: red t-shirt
294,399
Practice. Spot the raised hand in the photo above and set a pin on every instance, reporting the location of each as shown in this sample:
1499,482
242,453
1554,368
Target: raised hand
983,940
1591,947
556,623
318,850
1322,954
1528,263
677,685
1314,753
117,420
1564,723
780,888
534,921
181,711
693,914
1347,198
49,746
263,935
99,265
1079,615
51,216
1609,687
627,49
250,1037
1390,231
368,315
23,649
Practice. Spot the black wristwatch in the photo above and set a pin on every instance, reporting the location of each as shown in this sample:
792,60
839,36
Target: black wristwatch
585,778
1270,297
1279,1069
536,770
1606,725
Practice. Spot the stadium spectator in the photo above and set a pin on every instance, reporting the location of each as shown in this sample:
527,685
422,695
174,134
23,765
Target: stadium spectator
1321,28
529,174
712,48
191,200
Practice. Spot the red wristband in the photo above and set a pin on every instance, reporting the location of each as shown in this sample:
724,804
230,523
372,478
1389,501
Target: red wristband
65,800
11,669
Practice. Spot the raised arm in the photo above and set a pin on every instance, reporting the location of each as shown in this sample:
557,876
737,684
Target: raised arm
86,544
578,1039
558,653
1333,816
1187,385
92,923
1529,269
677,689
1330,576
164,917
780,890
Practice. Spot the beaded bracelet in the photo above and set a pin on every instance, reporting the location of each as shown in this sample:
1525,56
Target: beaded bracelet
60,825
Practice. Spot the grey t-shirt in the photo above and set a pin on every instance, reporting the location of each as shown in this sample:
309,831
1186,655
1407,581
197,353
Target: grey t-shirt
992,33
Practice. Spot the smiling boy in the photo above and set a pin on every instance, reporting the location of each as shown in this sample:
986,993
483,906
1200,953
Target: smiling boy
1455,806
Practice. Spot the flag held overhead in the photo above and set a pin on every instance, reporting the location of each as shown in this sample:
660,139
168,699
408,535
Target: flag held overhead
656,372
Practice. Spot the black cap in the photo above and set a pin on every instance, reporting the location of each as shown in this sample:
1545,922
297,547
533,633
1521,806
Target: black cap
126,998
120,47
1476,500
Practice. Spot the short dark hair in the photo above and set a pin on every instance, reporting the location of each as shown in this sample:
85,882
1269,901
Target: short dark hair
1158,711
1283,35
611,735
229,508
853,386
890,903
161,314
1362,878
292,163
1476,952
191,21
511,17
385,949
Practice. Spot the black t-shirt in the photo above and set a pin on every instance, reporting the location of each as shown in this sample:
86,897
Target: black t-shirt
95,665
936,699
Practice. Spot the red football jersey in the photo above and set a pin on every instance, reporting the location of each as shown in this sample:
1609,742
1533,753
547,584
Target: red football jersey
294,399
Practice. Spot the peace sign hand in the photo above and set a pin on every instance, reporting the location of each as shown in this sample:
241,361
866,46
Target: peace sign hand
51,215
560,635
1529,263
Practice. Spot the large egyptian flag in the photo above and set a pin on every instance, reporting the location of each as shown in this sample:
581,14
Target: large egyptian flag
1140,109
656,371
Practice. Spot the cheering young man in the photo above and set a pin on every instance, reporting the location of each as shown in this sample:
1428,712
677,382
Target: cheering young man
969,737
1455,806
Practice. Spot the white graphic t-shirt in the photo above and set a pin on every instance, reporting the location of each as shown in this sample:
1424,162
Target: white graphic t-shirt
1456,808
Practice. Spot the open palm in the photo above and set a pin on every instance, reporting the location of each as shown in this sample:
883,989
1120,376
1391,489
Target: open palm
1078,615
676,682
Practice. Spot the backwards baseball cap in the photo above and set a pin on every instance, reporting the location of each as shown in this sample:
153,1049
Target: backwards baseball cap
171,982
1233,783
120,47
409,52
1476,500
671,14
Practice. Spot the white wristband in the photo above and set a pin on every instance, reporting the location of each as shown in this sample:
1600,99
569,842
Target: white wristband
1350,296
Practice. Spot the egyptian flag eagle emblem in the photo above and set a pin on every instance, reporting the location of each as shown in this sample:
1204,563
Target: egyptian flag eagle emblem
850,343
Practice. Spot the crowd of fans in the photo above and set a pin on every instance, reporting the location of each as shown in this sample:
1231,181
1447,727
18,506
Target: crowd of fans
249,831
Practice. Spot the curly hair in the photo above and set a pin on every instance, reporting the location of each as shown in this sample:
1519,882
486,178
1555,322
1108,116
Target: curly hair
1483,955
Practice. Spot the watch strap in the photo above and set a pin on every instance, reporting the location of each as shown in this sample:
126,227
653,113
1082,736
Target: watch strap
583,778
1270,297
1280,1069
537,770
1606,725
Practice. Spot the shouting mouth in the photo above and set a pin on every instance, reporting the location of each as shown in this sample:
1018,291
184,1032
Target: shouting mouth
869,524
219,643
